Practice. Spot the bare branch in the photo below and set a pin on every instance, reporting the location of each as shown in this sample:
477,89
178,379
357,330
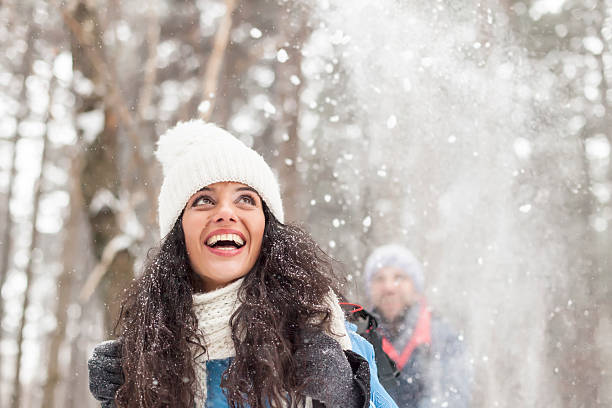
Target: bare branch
215,60
115,98
114,246
151,64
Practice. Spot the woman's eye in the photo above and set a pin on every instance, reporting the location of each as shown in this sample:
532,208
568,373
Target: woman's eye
247,199
203,200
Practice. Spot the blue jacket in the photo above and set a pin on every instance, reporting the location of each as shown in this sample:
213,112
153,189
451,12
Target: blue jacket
379,398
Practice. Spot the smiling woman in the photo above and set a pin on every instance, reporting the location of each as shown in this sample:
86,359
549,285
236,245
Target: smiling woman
235,308
223,225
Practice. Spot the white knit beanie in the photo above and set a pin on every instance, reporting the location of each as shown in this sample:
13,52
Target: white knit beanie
397,256
196,154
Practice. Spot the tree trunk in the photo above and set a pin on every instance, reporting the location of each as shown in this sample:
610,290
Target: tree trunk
6,239
64,283
288,104
26,69
101,169
16,398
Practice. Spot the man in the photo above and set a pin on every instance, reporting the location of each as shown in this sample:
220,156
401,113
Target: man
428,354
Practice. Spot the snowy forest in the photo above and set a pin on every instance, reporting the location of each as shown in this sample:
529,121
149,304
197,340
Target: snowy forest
476,133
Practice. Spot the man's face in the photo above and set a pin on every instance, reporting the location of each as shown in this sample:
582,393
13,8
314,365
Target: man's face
392,291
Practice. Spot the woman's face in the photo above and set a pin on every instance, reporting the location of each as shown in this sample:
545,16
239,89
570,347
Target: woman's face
223,225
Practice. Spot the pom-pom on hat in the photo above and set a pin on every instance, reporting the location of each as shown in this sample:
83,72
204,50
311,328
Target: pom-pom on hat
397,256
195,154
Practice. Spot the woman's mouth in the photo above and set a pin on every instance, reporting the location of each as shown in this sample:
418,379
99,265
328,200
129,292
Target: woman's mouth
225,244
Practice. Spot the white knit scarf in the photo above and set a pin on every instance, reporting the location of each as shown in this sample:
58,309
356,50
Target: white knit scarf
214,310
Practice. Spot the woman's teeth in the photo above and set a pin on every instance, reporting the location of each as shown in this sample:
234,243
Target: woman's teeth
226,238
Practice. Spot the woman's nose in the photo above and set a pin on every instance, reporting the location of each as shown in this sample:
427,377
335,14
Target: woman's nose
225,212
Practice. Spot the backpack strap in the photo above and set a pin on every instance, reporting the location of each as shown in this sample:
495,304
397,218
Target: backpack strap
367,326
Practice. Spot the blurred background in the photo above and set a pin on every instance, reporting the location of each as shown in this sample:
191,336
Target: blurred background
477,133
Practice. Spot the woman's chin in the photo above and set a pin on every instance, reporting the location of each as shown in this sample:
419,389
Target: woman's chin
230,274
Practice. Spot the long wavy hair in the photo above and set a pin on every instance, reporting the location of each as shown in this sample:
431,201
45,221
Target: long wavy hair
282,295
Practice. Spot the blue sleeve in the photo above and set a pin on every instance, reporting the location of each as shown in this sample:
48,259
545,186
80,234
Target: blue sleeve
379,398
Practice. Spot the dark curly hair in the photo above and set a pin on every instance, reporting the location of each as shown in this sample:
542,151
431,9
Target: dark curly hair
282,295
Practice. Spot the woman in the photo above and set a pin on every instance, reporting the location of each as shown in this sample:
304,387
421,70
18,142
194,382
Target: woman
236,309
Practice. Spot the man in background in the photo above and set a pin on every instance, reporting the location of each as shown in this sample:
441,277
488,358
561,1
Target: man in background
428,354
